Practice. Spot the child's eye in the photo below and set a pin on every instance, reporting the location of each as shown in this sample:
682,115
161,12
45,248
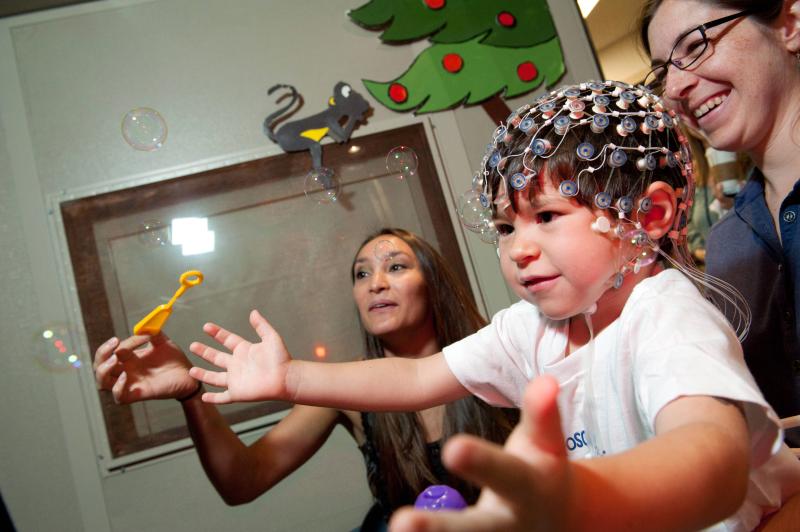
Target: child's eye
504,229
360,274
397,267
546,217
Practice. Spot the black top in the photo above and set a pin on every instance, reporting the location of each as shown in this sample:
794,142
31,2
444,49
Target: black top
382,506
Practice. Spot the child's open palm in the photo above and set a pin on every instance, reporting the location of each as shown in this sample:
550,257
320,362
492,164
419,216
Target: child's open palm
251,372
528,483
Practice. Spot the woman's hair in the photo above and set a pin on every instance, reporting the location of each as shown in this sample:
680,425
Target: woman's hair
399,438
765,11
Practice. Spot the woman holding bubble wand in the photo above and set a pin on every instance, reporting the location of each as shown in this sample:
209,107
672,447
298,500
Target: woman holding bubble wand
410,303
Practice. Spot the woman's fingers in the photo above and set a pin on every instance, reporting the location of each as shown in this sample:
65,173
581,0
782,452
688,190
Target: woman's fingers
223,336
119,390
219,398
103,352
214,378
130,344
209,354
106,373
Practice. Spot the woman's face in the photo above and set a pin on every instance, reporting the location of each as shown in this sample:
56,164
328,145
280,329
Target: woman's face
390,290
736,93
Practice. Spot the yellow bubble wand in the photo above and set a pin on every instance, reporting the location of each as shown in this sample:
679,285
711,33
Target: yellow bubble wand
152,323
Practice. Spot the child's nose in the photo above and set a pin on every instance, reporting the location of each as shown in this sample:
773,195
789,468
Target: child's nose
524,249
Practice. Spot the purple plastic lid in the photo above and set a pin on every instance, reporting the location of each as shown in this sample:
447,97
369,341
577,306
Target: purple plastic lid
440,497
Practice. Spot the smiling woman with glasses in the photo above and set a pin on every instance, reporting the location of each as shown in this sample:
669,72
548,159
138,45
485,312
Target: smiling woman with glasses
739,85
688,49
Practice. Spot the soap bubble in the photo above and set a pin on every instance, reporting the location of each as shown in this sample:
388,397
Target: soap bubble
478,181
402,161
473,208
384,250
54,349
322,185
488,232
154,234
144,129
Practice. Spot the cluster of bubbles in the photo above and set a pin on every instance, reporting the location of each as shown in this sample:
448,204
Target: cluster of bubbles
474,209
402,162
384,249
53,352
153,234
144,129
322,185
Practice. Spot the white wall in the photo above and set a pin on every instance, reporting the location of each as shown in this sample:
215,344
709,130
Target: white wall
66,78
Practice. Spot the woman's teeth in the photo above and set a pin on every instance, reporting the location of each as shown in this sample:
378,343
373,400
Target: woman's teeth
708,106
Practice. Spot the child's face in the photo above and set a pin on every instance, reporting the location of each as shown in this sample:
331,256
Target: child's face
551,257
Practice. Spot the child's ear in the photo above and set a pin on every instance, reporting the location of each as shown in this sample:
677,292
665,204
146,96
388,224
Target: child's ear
790,28
658,220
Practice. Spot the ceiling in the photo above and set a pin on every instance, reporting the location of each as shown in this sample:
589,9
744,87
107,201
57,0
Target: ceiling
612,20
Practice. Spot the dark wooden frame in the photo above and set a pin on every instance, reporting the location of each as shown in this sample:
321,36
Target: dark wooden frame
80,215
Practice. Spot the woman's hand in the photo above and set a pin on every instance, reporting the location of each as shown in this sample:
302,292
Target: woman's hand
251,372
528,484
133,373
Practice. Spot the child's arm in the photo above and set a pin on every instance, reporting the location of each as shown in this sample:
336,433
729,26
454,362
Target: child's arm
693,474
265,370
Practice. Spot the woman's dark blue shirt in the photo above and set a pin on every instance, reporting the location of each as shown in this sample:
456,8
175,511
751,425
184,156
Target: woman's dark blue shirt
744,250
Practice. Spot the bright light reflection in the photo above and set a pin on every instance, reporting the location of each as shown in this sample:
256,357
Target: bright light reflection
192,235
586,6
320,351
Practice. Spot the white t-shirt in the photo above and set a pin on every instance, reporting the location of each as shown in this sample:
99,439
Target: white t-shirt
667,343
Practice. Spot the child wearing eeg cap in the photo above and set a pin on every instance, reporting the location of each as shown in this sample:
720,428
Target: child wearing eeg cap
587,192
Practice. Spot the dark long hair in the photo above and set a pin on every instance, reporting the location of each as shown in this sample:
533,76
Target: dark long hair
399,438
765,11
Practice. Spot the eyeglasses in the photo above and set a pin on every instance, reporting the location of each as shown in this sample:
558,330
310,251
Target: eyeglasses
688,49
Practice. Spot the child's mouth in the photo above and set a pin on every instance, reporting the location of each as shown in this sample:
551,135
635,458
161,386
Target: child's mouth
539,283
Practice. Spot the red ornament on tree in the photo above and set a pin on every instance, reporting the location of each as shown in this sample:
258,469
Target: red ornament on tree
452,63
398,93
435,4
527,71
506,19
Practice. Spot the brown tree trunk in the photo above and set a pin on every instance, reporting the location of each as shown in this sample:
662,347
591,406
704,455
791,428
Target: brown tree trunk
497,109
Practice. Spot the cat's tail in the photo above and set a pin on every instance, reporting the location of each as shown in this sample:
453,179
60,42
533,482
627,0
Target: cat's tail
268,131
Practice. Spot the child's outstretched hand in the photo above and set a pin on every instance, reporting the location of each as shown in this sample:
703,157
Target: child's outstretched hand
251,372
528,484
135,370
